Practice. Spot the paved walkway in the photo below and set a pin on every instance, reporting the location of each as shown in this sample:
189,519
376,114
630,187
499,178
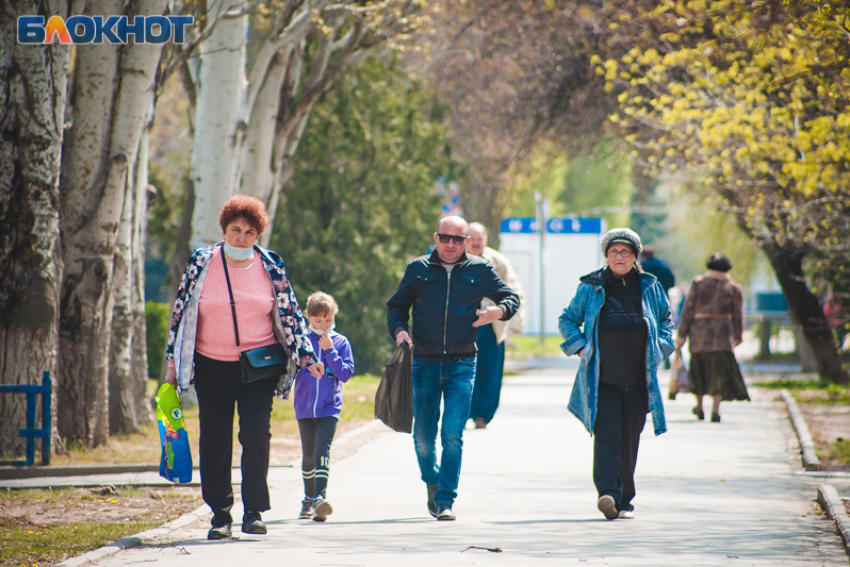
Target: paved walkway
708,494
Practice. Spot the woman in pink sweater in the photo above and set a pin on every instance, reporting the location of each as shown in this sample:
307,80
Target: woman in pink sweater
202,350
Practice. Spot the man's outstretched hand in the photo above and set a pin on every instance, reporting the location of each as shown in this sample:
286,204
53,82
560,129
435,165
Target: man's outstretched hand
488,315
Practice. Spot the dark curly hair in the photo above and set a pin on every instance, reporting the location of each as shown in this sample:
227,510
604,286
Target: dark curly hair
246,207
719,262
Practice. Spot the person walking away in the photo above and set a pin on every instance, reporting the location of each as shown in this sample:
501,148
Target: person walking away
835,313
202,350
650,263
619,323
490,340
712,322
445,290
318,403
654,265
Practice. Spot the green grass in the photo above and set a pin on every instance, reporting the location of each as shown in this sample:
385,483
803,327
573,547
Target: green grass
795,384
522,347
143,447
839,451
33,547
33,543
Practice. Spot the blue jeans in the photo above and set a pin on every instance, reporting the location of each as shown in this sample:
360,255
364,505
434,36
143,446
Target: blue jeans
436,379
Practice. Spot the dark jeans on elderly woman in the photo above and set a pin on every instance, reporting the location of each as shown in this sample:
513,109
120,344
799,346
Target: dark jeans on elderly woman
220,391
620,417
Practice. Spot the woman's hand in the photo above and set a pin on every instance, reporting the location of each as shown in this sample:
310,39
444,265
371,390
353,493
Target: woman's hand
171,376
317,370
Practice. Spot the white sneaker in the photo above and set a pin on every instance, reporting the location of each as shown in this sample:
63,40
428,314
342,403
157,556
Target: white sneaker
607,506
626,515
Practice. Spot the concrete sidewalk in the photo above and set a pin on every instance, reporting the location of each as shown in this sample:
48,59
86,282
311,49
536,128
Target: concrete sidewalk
708,494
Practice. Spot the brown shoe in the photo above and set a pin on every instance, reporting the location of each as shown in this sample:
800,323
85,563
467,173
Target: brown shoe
480,423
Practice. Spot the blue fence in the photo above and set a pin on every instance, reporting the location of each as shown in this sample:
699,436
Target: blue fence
30,432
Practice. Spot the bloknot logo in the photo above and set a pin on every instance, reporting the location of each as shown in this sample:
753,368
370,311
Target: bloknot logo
97,30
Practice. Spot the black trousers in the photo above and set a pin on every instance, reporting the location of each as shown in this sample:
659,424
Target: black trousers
220,390
620,417
317,433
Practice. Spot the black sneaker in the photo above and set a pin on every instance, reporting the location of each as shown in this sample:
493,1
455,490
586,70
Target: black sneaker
219,532
446,513
306,509
432,506
252,523
322,509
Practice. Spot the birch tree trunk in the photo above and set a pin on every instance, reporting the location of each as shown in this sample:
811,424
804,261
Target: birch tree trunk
113,90
219,119
127,370
33,81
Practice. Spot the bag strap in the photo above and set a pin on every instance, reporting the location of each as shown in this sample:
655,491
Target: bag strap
230,292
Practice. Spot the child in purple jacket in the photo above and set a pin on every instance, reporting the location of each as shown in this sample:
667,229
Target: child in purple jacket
318,403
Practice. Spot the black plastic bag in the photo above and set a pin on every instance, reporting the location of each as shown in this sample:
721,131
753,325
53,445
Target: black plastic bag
394,398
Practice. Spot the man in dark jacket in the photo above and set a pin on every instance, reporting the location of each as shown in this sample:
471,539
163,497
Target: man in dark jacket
445,290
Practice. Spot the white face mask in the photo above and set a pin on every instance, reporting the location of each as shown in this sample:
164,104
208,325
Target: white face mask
319,332
238,253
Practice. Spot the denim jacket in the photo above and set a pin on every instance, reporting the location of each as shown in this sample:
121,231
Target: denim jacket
289,326
578,327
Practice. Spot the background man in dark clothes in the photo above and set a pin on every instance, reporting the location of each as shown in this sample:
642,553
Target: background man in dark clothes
658,268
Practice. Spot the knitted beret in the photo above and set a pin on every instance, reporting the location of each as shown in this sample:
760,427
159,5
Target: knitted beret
624,235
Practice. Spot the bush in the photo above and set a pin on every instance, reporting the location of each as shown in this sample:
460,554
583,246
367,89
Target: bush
156,318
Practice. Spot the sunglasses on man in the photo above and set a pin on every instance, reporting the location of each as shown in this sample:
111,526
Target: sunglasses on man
446,238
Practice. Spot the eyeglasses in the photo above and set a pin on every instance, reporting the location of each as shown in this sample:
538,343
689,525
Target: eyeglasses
620,253
446,238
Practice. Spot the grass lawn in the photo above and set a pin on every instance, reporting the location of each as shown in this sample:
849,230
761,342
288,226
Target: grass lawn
143,447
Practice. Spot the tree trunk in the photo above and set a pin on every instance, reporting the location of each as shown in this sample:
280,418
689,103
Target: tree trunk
127,373
113,90
805,308
33,81
219,121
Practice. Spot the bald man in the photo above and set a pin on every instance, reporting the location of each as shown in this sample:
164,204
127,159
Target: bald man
445,290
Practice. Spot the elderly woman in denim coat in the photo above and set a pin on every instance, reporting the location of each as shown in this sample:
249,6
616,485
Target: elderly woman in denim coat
619,324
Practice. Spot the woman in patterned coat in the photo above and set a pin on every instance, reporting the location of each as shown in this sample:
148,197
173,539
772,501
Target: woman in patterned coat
202,350
713,322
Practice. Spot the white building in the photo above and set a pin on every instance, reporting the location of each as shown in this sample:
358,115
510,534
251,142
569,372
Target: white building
550,271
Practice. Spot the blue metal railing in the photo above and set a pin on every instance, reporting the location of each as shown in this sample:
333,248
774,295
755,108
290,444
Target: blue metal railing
30,432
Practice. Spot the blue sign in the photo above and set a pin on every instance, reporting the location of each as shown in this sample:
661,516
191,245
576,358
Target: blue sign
558,225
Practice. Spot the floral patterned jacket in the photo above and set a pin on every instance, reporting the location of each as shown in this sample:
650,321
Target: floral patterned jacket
289,327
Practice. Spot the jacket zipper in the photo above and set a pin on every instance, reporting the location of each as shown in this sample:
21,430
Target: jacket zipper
446,314
318,383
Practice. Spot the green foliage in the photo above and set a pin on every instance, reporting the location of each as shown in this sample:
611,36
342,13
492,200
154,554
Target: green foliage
756,109
156,325
699,226
590,184
362,201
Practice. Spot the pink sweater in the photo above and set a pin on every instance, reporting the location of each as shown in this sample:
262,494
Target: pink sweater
254,297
